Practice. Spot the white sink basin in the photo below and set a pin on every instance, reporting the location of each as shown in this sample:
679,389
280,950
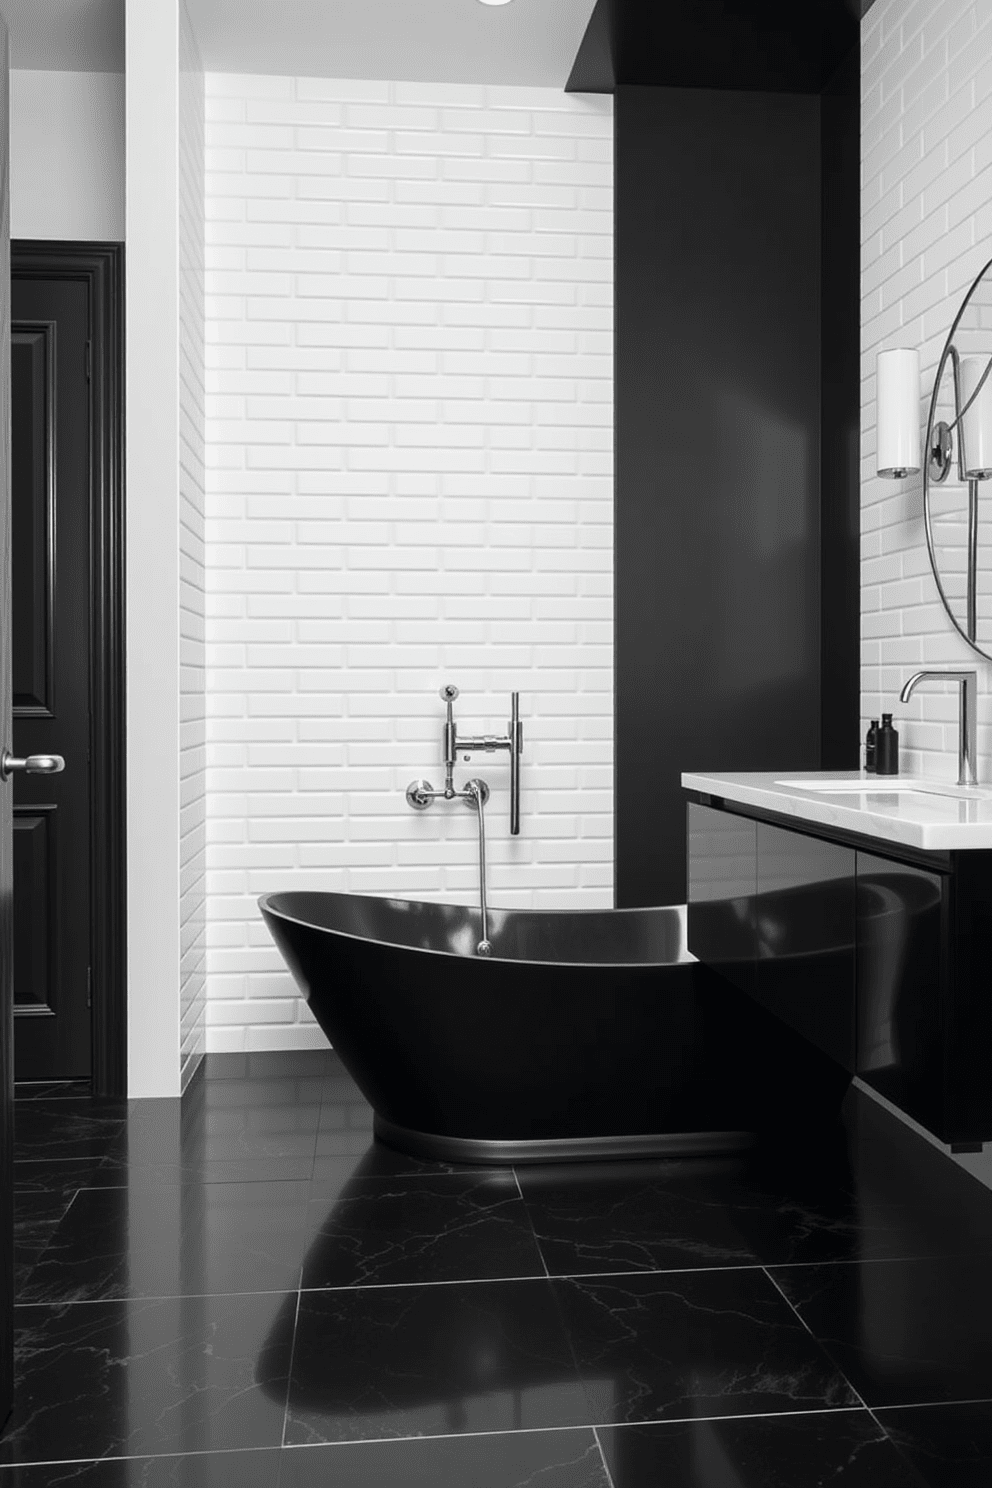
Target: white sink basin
853,787
889,784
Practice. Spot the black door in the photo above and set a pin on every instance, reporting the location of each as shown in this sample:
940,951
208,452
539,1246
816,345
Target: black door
50,437
6,867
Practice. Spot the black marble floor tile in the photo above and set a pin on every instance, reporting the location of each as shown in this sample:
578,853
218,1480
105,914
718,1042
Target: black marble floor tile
271,1064
260,1094
693,1343
381,1231
260,1141
950,1446
173,1241
660,1216
116,1172
37,1215
54,1176
376,1160
403,1361
526,1459
845,1449
904,1332
348,1123
143,1378
250,1469
342,1104
66,1129
52,1090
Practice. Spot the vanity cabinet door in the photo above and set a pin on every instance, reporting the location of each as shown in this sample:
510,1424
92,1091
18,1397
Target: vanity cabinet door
721,892
805,937
900,980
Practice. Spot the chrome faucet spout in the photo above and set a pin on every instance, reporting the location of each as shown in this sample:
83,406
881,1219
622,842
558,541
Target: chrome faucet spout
967,682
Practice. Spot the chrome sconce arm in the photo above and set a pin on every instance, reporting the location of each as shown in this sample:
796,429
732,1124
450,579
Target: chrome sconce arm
958,439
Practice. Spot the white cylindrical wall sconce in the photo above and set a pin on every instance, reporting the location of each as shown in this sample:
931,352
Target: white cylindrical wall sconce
976,420
897,382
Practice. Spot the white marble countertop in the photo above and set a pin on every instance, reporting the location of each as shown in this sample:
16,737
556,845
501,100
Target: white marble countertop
925,814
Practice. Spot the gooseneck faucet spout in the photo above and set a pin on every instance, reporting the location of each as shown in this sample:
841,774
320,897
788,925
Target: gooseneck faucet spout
967,716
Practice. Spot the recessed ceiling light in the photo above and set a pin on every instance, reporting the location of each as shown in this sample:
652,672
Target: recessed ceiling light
494,2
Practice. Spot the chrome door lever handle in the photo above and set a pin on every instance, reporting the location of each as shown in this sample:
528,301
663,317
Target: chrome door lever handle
35,764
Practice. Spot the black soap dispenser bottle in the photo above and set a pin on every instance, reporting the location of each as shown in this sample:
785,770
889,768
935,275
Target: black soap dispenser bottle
887,748
871,739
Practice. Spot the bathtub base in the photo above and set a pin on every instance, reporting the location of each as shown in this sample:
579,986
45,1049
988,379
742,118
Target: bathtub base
477,1150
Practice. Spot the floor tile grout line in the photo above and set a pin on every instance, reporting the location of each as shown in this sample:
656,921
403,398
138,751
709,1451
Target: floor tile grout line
289,1372
533,1228
840,1410
580,1276
819,1343
133,1301
602,1457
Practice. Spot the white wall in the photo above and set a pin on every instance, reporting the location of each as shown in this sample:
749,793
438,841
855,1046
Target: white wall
192,585
67,155
409,447
164,561
926,232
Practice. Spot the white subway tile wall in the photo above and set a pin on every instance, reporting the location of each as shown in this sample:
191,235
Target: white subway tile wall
192,566
409,482
926,232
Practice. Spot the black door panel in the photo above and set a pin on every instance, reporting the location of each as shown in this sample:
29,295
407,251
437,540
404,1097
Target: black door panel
50,420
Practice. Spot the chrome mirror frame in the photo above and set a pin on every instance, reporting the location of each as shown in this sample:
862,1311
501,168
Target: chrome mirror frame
938,456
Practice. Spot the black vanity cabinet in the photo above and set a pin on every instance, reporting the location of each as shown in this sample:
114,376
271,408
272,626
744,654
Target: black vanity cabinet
722,888
804,923
880,960
900,976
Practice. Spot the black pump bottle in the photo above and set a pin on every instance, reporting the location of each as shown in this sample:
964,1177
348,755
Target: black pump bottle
871,739
887,748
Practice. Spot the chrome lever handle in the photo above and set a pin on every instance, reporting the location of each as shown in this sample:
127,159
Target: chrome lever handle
34,764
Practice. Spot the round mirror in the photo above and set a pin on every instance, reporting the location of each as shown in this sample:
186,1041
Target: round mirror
957,469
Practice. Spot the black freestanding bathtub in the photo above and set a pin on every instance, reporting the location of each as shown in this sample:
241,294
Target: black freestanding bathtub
585,1035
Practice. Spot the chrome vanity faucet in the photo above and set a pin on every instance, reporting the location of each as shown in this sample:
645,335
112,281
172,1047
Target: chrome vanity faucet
967,716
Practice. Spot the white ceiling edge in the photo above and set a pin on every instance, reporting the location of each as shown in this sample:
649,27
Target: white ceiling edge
529,43
65,35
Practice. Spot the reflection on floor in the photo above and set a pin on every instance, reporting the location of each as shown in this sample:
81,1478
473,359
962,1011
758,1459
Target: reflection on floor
247,1290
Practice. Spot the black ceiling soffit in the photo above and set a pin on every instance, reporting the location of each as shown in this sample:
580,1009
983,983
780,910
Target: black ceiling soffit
773,46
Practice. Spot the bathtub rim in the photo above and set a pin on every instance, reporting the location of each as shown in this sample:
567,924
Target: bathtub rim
685,958
532,1150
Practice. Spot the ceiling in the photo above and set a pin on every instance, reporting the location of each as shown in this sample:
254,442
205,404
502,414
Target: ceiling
529,42
66,35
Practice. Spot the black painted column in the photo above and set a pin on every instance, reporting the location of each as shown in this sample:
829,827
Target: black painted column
718,304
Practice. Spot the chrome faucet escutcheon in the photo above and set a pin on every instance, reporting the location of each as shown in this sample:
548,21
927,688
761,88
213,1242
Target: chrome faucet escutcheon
967,716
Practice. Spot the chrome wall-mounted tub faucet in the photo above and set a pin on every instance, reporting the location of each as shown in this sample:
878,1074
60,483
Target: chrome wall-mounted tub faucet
421,794
967,717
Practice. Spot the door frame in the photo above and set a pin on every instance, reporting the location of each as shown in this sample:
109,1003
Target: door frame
100,266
